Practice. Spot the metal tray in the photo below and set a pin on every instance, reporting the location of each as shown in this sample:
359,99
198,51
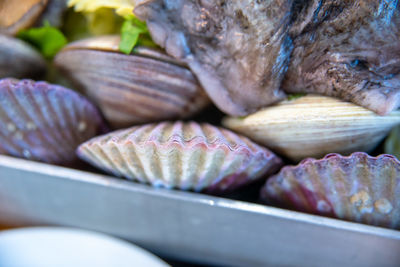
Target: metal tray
187,226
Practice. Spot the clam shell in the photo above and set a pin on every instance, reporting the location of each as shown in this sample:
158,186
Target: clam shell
313,126
188,156
132,89
358,188
19,60
44,122
18,15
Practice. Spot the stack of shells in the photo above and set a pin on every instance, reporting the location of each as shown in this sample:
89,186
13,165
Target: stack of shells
47,123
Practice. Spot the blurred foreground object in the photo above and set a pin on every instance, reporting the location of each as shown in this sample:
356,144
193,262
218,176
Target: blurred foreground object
19,59
66,247
16,15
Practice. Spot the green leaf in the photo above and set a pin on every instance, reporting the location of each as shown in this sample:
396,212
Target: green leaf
129,37
392,143
48,40
134,32
295,96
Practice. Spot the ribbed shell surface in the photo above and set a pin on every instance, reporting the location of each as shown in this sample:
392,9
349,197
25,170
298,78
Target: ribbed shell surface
358,188
44,122
187,156
133,89
313,126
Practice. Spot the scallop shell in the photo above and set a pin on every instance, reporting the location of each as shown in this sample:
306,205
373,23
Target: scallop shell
188,156
44,122
143,87
358,188
19,60
313,126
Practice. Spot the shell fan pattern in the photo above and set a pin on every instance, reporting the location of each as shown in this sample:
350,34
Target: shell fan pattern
187,156
358,188
44,122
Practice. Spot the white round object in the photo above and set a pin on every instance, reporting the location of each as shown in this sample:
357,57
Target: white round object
52,246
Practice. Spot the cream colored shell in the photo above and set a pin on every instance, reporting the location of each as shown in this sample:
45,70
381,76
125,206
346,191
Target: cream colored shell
187,156
313,126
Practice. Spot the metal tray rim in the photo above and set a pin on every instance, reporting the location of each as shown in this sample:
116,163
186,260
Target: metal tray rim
94,178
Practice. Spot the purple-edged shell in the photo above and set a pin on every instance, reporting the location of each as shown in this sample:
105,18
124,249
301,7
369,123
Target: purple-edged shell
187,156
44,122
358,188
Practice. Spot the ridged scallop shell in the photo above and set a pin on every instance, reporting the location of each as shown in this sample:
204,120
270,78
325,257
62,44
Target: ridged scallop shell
19,60
358,188
187,156
143,87
313,126
44,122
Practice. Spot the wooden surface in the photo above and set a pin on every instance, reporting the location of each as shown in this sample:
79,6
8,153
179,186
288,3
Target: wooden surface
4,227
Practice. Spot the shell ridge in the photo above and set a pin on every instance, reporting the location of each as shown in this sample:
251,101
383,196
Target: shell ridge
53,106
44,138
116,86
18,108
174,166
160,90
212,161
119,162
16,146
162,152
74,114
61,101
35,126
42,122
45,110
330,122
136,169
358,187
87,154
105,159
9,146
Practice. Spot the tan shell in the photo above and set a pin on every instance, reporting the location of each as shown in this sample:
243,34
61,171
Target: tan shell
16,15
359,188
313,126
132,89
188,156
19,60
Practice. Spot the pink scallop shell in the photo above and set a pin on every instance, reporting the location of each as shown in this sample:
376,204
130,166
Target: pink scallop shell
358,188
187,156
44,122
